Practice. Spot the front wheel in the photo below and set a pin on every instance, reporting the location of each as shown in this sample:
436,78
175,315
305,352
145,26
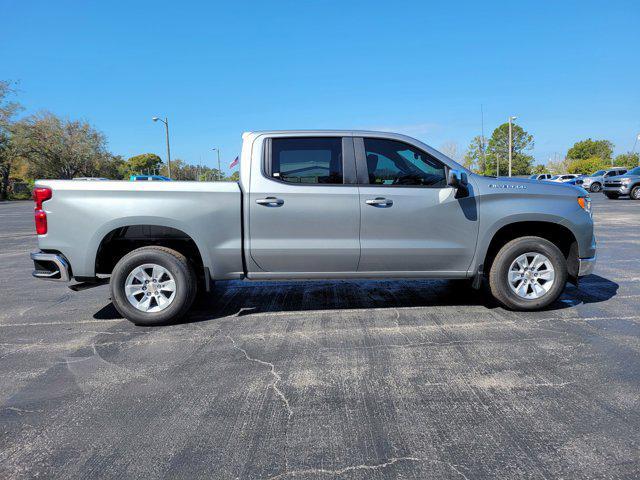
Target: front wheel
595,187
611,196
153,285
635,193
528,273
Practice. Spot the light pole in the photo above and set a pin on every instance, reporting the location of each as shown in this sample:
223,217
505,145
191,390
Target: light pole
166,127
634,147
511,119
497,165
219,170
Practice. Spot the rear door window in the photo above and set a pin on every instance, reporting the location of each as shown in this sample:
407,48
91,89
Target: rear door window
307,160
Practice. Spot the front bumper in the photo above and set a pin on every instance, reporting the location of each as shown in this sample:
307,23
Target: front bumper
586,266
619,189
50,266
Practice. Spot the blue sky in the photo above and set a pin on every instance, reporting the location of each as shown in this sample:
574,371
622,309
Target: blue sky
568,70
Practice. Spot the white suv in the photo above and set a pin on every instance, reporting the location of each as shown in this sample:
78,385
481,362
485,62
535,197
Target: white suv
594,182
567,177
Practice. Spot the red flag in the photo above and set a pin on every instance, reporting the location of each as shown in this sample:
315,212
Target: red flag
234,163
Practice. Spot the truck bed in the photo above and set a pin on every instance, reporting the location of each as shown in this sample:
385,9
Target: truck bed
81,214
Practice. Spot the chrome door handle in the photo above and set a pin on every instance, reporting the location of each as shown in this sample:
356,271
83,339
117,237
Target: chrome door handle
379,202
270,201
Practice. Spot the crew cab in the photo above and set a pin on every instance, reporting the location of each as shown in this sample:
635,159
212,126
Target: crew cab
596,180
315,205
627,183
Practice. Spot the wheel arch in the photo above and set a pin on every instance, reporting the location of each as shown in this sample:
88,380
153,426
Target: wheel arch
557,233
143,231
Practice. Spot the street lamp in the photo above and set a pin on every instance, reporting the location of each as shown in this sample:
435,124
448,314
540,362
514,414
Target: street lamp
511,119
166,126
634,147
219,170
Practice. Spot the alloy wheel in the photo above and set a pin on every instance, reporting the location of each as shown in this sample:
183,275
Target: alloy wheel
150,288
531,275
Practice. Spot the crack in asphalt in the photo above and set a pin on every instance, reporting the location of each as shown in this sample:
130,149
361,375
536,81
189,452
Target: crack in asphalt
364,466
272,370
276,389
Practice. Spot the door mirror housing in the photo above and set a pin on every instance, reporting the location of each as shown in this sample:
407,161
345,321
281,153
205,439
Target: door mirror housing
456,178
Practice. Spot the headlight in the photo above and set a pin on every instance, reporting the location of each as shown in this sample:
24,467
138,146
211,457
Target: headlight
585,203
625,181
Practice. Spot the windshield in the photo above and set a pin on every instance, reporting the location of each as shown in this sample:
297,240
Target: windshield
555,177
597,174
634,171
533,177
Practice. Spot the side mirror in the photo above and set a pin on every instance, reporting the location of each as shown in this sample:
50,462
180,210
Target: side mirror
456,178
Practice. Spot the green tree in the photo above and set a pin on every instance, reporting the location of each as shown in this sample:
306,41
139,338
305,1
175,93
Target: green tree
475,155
539,169
143,164
591,148
8,156
234,177
586,166
57,148
629,160
113,167
498,151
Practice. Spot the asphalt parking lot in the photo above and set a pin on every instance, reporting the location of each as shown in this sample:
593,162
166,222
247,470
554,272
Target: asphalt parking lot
331,379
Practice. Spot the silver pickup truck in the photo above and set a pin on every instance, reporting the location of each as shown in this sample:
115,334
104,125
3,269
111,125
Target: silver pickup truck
627,183
315,205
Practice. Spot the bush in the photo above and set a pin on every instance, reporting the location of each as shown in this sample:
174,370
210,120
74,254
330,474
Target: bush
586,166
628,160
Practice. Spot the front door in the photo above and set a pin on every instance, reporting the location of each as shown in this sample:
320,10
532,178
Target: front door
411,220
303,213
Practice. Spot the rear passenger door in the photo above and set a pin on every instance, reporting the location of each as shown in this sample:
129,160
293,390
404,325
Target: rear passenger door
304,214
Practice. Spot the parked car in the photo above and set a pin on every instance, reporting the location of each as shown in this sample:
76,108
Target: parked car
540,176
621,185
149,178
579,180
596,180
314,205
566,177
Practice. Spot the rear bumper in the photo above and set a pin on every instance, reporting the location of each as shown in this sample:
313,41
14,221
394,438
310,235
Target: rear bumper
586,266
50,266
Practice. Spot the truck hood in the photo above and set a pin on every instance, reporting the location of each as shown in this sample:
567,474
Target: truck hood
526,186
624,177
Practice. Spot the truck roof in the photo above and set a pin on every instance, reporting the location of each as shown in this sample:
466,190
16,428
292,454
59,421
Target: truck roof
348,132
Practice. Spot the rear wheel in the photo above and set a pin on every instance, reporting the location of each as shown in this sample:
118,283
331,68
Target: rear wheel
595,187
612,196
528,273
635,193
153,285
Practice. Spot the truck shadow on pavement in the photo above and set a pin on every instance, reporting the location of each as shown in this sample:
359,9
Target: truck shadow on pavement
237,298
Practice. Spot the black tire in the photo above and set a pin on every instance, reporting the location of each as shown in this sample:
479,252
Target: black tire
177,265
498,275
635,193
595,187
612,196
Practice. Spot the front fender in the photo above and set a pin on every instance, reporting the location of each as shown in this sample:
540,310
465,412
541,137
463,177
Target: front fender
489,232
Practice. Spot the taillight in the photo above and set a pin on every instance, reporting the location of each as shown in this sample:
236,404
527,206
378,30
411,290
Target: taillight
40,194
41,222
